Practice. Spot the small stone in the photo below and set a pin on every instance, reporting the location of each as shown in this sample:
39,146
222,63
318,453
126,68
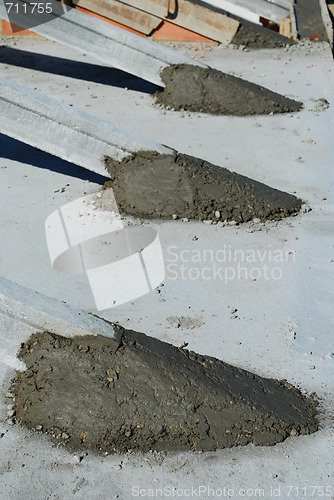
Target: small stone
293,432
65,435
11,413
76,459
10,407
175,216
207,222
10,421
194,238
305,208
232,223
38,427
10,395
184,219
217,214
256,220
312,367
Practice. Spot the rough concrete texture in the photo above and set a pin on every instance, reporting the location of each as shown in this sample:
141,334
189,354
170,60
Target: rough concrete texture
309,20
152,185
136,392
255,37
207,90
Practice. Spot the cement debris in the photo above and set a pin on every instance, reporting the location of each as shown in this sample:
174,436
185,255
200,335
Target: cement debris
136,392
152,185
207,90
256,38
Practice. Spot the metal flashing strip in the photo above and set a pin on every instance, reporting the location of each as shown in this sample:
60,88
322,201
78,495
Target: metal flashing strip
254,9
50,125
110,44
45,313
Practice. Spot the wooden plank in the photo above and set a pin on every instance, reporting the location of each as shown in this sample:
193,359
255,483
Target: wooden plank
288,25
110,21
123,14
285,27
194,17
169,32
204,21
155,7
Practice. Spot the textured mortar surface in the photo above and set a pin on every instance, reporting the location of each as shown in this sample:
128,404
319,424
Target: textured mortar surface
153,185
207,90
136,392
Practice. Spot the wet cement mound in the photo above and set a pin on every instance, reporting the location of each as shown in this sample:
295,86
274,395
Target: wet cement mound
206,90
152,185
259,38
136,392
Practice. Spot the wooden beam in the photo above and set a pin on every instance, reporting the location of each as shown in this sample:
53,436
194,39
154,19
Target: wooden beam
197,18
285,27
155,7
123,14
110,21
173,33
288,25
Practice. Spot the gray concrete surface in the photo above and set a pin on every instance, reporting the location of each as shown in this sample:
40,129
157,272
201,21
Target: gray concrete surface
278,328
